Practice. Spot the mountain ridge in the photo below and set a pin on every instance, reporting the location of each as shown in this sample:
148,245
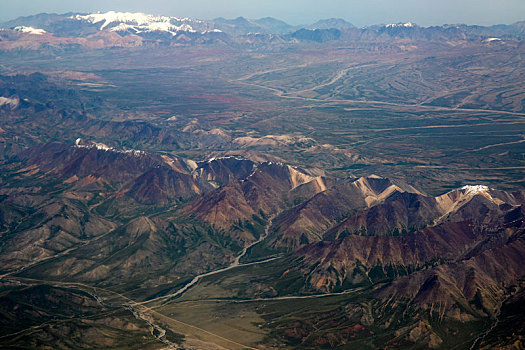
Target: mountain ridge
139,29
369,232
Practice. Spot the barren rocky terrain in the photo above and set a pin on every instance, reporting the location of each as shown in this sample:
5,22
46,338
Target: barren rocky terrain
233,184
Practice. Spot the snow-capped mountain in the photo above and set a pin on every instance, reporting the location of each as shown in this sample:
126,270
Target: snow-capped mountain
136,23
127,29
30,30
400,25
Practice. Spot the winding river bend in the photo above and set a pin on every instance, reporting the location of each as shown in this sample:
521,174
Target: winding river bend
159,332
236,263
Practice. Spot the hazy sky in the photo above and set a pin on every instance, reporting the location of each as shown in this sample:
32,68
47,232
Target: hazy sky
359,12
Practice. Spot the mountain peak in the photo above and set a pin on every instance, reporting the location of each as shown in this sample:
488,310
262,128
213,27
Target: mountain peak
137,22
121,17
80,143
29,30
474,189
328,23
401,25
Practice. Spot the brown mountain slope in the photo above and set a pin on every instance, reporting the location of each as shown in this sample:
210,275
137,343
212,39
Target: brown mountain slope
407,212
49,229
94,160
401,212
155,251
148,178
308,221
222,171
461,266
474,285
469,223
351,259
265,190
162,185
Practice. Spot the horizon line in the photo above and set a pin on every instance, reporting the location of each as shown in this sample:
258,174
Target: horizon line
3,20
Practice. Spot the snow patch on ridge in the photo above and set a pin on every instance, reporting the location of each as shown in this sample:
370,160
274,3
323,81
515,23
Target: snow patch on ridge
475,189
400,25
121,17
79,143
138,22
212,31
100,146
29,30
12,102
452,201
225,157
123,27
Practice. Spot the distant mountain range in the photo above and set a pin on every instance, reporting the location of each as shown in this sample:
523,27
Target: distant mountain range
140,28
